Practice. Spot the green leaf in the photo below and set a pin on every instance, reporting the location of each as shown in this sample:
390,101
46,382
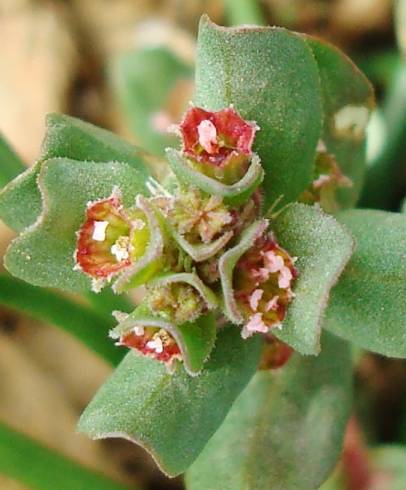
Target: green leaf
145,82
44,254
172,416
285,430
348,99
368,304
78,320
10,163
68,137
237,193
270,76
195,339
40,468
323,247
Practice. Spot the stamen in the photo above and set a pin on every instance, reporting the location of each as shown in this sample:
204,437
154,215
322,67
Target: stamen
99,230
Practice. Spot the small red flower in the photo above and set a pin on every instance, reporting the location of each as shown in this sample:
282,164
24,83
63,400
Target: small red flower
263,281
103,240
153,342
216,137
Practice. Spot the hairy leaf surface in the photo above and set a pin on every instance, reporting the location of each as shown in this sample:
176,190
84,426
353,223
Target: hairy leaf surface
172,416
368,304
271,77
44,254
285,430
322,247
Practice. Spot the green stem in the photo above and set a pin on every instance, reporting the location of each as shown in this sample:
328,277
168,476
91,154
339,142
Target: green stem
244,12
41,468
10,163
78,320
383,183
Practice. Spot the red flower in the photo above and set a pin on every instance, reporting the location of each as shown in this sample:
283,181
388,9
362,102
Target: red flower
216,137
103,240
152,342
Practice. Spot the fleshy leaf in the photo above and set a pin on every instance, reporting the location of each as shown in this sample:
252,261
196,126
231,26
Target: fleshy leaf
67,137
44,254
153,87
234,193
271,77
323,247
172,415
195,339
285,430
368,304
347,102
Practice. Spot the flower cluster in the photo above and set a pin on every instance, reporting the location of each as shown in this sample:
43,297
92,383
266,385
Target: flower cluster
174,241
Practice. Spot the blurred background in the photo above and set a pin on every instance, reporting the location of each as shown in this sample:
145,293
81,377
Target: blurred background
127,65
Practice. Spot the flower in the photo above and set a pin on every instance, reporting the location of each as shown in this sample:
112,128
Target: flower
218,140
262,282
110,239
152,342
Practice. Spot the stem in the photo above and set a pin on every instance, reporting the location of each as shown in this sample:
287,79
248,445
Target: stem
10,163
78,320
41,468
383,183
244,12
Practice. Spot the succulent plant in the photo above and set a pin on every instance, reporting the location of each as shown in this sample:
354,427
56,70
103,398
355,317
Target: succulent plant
250,253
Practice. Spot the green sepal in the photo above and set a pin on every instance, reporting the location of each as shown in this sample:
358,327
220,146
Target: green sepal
201,251
285,430
193,280
195,339
367,306
43,254
323,247
235,194
174,415
151,263
344,88
271,77
71,138
228,262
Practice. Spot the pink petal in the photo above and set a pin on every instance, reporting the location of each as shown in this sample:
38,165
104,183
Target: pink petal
207,135
255,297
255,324
274,262
285,276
